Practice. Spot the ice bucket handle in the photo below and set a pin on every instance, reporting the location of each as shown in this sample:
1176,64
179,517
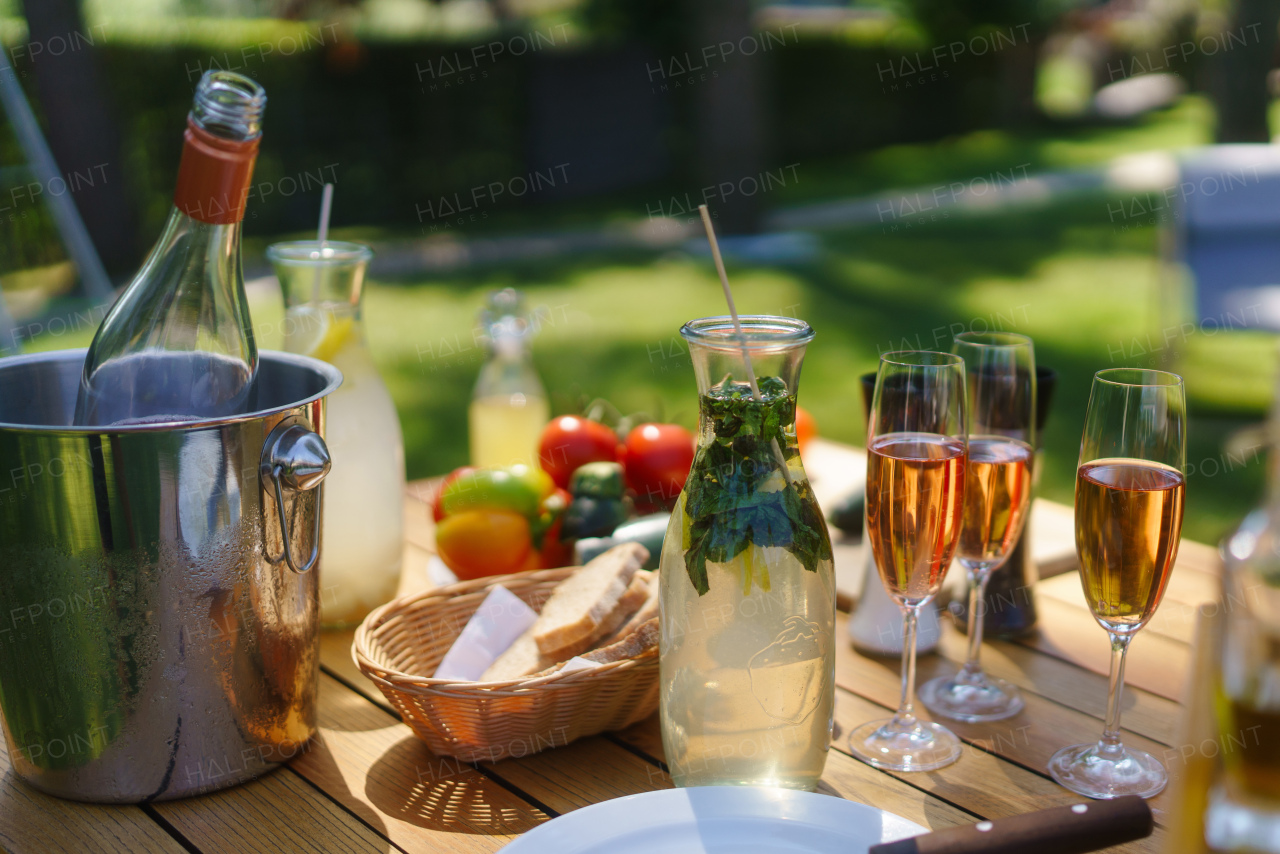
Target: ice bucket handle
298,458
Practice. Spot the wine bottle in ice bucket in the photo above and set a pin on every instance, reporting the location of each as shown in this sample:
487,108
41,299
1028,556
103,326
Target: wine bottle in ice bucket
178,343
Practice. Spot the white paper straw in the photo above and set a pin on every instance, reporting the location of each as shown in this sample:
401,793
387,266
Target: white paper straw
322,237
737,326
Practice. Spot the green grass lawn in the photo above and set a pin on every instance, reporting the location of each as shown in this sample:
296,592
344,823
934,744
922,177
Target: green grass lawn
1061,274
1065,273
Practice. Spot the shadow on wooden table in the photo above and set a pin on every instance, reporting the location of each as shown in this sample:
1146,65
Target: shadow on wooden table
412,784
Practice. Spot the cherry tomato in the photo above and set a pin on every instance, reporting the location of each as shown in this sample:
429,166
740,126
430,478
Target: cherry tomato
554,552
569,441
437,509
806,427
547,542
519,488
475,543
657,461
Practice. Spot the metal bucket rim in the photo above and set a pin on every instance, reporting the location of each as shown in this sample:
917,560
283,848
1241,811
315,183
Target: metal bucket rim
332,376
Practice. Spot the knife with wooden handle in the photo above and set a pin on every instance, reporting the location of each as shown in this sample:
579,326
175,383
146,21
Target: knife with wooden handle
1061,830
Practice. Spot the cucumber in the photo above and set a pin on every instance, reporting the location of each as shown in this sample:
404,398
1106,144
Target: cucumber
648,531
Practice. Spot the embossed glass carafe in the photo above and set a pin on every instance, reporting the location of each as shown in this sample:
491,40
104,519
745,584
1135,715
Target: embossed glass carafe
748,585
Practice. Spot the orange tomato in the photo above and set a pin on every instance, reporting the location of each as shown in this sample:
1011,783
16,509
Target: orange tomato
477,543
806,427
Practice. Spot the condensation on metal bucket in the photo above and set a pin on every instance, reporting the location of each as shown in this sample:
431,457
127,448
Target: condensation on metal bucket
158,623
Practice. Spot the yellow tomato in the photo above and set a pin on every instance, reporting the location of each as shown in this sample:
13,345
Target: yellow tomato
476,543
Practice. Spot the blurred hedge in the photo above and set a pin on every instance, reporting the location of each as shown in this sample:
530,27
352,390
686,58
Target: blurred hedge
366,115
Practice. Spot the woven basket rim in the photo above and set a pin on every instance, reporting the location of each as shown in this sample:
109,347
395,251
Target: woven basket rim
367,639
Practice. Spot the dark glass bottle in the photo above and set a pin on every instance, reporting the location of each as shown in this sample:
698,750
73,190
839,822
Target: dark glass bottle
1009,605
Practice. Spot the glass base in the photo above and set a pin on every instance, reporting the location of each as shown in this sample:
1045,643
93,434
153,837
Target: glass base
1232,824
978,697
1084,770
914,746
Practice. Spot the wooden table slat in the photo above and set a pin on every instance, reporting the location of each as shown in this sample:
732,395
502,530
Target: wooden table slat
1155,663
366,784
1028,739
246,819
378,770
1064,683
31,821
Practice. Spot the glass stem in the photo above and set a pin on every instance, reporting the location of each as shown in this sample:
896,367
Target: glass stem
1109,746
905,716
972,671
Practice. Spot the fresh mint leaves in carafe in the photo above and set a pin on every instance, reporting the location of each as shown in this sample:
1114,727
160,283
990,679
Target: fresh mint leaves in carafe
178,344
748,585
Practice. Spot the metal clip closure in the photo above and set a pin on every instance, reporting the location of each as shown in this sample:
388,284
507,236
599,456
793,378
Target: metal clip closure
297,458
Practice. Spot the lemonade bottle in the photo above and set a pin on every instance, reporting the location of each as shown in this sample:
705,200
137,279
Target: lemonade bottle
509,406
363,538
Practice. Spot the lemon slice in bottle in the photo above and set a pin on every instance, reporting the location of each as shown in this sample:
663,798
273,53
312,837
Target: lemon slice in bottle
317,332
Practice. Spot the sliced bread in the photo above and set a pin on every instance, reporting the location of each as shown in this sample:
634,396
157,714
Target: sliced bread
646,612
640,643
637,593
578,608
521,659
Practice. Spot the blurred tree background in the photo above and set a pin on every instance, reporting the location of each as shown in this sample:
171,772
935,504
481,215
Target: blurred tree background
852,114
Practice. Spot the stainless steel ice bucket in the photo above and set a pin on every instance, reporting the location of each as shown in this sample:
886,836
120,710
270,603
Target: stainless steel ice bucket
158,623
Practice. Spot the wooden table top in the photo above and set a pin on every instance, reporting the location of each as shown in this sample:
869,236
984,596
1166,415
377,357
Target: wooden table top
367,784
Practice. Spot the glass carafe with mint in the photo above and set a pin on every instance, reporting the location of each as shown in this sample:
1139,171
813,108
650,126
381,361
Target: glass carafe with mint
748,585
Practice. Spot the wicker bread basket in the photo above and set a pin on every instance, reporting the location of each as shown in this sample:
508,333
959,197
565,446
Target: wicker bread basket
400,644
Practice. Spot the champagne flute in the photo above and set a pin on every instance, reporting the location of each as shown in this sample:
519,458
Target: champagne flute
1000,370
1129,492
917,449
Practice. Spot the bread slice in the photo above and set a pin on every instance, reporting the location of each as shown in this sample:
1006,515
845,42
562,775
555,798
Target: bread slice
637,593
582,602
521,659
639,644
646,612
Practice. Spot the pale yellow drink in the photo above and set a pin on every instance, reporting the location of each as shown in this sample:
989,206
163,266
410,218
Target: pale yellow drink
505,429
364,492
748,678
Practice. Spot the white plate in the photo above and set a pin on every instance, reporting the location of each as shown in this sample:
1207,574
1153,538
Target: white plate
717,820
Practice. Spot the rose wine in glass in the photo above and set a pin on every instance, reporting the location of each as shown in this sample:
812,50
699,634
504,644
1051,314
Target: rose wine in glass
1000,373
1128,516
917,450
1129,497
996,498
912,530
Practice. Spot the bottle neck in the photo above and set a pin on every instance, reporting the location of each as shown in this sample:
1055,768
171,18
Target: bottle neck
730,410
214,176
218,242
